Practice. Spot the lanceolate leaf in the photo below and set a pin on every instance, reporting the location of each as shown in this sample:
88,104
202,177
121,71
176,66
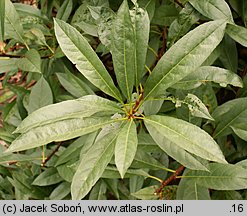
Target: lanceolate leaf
237,33
58,131
147,193
14,28
48,177
205,74
144,160
229,114
2,19
61,191
65,10
41,95
220,177
7,64
141,25
31,62
112,172
126,146
78,50
185,135
74,85
180,26
123,50
241,130
185,56
92,165
177,153
197,107
79,108
213,9
190,190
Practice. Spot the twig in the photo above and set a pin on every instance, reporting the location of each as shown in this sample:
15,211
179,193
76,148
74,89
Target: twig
170,179
162,49
21,56
51,155
179,3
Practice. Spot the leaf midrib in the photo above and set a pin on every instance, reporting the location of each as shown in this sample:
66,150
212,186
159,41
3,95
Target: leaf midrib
173,68
126,142
53,138
99,159
200,147
229,123
96,70
14,28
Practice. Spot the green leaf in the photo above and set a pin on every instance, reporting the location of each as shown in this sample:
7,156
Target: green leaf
206,74
13,26
31,62
190,190
26,10
6,134
74,85
178,153
126,146
141,25
41,95
226,195
75,148
240,130
187,136
184,57
147,193
78,50
220,177
61,191
92,165
123,50
149,6
213,9
104,17
144,160
65,10
197,107
112,172
99,191
182,24
2,19
229,114
8,158
146,143
49,177
229,59
79,108
237,33
7,65
67,170
152,107
58,131
164,15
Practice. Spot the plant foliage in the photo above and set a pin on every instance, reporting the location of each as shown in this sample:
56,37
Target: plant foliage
123,99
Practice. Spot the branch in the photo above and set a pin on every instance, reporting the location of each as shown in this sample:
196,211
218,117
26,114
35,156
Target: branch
170,179
179,3
51,155
21,56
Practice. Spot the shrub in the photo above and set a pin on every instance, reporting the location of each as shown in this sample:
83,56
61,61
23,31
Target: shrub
123,100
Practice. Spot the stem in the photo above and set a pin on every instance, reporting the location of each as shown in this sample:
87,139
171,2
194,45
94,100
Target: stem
179,3
20,56
170,179
51,155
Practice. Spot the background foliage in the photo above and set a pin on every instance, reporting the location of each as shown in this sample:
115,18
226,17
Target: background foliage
113,99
